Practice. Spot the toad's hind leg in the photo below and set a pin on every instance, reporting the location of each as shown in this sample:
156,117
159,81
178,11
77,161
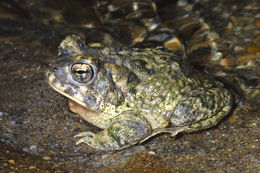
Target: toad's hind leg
125,130
201,109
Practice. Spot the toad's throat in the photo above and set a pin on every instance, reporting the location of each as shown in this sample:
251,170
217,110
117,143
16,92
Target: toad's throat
83,111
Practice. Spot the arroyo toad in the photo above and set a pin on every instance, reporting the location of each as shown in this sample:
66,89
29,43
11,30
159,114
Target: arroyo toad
133,94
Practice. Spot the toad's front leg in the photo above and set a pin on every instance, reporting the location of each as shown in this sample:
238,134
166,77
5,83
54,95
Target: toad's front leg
125,130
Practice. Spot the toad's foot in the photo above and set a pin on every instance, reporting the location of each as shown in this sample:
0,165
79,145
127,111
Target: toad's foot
85,137
126,130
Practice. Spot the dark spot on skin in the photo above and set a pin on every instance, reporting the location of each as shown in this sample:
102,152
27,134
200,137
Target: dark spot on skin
55,68
208,101
186,70
118,49
174,58
109,84
109,60
150,71
176,77
163,58
164,49
91,101
141,62
132,78
69,91
80,45
138,50
99,48
65,53
138,64
120,97
92,52
133,91
137,127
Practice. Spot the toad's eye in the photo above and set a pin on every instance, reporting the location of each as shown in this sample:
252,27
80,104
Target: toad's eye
82,72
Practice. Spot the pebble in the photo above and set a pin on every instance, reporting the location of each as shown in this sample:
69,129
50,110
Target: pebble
33,147
46,158
12,162
151,152
31,167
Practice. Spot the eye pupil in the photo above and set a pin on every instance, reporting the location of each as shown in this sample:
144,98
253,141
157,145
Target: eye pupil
82,72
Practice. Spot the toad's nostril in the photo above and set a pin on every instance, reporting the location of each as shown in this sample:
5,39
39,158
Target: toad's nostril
53,67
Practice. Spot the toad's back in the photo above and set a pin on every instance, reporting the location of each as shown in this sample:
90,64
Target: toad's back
155,80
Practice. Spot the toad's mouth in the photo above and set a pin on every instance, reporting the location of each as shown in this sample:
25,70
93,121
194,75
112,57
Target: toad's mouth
75,105
58,88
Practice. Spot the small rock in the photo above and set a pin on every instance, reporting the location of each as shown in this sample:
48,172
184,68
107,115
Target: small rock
151,152
33,147
31,167
13,123
46,158
12,162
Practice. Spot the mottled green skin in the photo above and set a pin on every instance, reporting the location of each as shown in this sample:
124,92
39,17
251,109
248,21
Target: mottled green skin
136,93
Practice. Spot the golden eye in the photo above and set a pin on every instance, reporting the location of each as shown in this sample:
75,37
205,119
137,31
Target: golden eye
82,72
